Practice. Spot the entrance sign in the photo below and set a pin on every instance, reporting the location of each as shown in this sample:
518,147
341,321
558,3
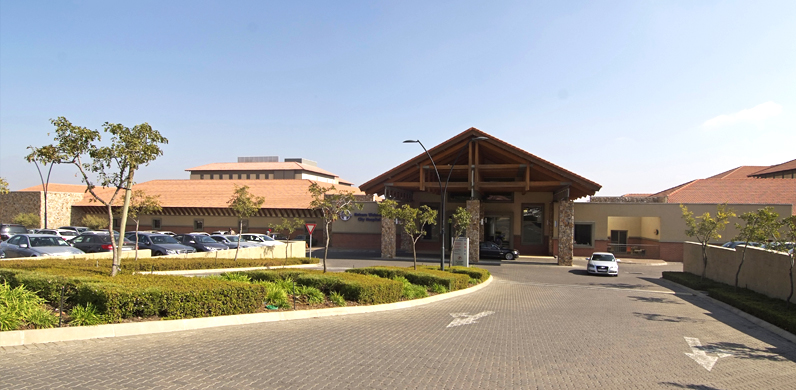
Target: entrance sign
460,254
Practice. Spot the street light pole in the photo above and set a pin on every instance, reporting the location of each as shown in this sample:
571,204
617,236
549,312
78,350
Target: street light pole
443,192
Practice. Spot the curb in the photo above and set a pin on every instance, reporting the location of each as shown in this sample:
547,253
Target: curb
763,324
224,270
38,336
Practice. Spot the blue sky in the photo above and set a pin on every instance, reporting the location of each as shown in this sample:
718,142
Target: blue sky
638,96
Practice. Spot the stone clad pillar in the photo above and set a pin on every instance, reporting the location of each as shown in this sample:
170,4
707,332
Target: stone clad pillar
387,238
566,231
474,230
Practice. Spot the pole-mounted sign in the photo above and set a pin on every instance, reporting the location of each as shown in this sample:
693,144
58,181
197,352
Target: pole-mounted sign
310,228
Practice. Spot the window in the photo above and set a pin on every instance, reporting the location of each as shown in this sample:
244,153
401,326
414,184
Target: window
230,176
245,224
532,225
117,223
156,224
202,176
239,176
258,176
584,235
248,176
199,224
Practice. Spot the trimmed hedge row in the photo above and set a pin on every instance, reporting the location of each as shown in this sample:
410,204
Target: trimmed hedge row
127,296
423,277
761,306
359,288
479,274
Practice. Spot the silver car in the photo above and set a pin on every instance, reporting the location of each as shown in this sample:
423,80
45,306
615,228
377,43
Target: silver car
260,239
231,241
36,245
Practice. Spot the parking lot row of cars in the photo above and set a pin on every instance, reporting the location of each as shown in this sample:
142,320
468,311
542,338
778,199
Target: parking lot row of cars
60,242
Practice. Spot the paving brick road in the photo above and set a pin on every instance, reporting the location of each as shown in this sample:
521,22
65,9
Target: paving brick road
537,326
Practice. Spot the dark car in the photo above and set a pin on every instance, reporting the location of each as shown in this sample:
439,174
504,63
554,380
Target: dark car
36,245
491,250
8,230
95,242
200,242
159,244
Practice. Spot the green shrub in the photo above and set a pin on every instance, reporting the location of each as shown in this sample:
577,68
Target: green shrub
311,295
278,297
411,291
20,307
85,315
438,288
337,299
41,318
424,276
29,220
236,277
359,288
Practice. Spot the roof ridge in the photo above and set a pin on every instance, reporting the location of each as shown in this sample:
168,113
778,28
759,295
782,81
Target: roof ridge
773,166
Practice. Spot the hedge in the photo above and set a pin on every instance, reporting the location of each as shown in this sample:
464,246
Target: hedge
359,288
479,274
423,276
768,309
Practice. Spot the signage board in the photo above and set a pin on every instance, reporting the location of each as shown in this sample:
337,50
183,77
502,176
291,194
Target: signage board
460,254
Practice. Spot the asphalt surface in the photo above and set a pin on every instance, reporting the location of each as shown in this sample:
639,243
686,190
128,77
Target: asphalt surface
537,326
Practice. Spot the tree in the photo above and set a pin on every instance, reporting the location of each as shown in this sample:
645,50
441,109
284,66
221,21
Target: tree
290,226
331,205
412,219
788,235
244,204
111,166
706,228
759,226
140,204
29,220
3,186
35,157
93,222
460,220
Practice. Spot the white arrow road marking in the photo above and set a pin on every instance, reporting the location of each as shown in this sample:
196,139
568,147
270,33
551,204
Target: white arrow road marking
699,353
466,319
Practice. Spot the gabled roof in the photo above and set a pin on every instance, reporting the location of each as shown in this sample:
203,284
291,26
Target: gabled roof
741,172
493,149
278,194
54,187
741,191
786,166
261,166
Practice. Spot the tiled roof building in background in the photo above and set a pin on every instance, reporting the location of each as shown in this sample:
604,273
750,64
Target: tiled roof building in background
266,168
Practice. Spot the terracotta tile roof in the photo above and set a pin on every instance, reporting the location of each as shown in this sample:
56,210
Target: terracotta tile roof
742,172
786,166
741,191
636,195
54,187
261,166
278,194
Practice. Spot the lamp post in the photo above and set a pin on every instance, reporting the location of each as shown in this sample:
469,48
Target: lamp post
443,191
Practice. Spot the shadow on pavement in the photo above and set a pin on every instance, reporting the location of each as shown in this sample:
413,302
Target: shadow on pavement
656,300
695,387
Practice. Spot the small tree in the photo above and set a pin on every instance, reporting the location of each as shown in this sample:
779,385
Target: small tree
412,219
331,205
140,204
3,186
93,222
111,166
759,226
29,220
788,235
460,220
244,204
706,228
289,226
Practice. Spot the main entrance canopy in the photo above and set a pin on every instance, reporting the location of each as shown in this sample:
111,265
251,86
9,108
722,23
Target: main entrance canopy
499,183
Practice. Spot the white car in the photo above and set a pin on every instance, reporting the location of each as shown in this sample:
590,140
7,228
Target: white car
261,239
602,263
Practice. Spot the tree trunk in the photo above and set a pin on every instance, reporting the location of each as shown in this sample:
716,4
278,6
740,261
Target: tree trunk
137,221
743,257
123,223
326,250
704,261
240,232
115,261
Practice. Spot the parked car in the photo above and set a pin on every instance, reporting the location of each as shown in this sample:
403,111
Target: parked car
231,241
602,263
95,242
261,239
200,242
166,232
78,229
491,250
159,244
66,234
8,230
780,246
36,245
733,244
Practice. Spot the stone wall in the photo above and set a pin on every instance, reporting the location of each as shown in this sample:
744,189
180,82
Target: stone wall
566,230
59,206
387,238
628,199
474,230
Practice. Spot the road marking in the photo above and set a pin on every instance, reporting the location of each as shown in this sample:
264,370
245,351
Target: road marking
700,353
466,319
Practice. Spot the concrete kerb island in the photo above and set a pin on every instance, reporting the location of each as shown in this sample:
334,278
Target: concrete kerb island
37,336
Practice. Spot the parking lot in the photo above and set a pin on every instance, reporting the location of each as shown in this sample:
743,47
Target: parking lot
538,325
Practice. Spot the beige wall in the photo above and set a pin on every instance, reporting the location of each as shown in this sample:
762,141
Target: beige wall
763,271
366,220
670,218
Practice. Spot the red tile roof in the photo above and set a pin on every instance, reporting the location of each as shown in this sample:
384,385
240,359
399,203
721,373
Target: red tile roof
741,191
278,194
786,166
742,172
54,187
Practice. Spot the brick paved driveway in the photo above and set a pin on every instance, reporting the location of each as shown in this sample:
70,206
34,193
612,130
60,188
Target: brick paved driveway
537,326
